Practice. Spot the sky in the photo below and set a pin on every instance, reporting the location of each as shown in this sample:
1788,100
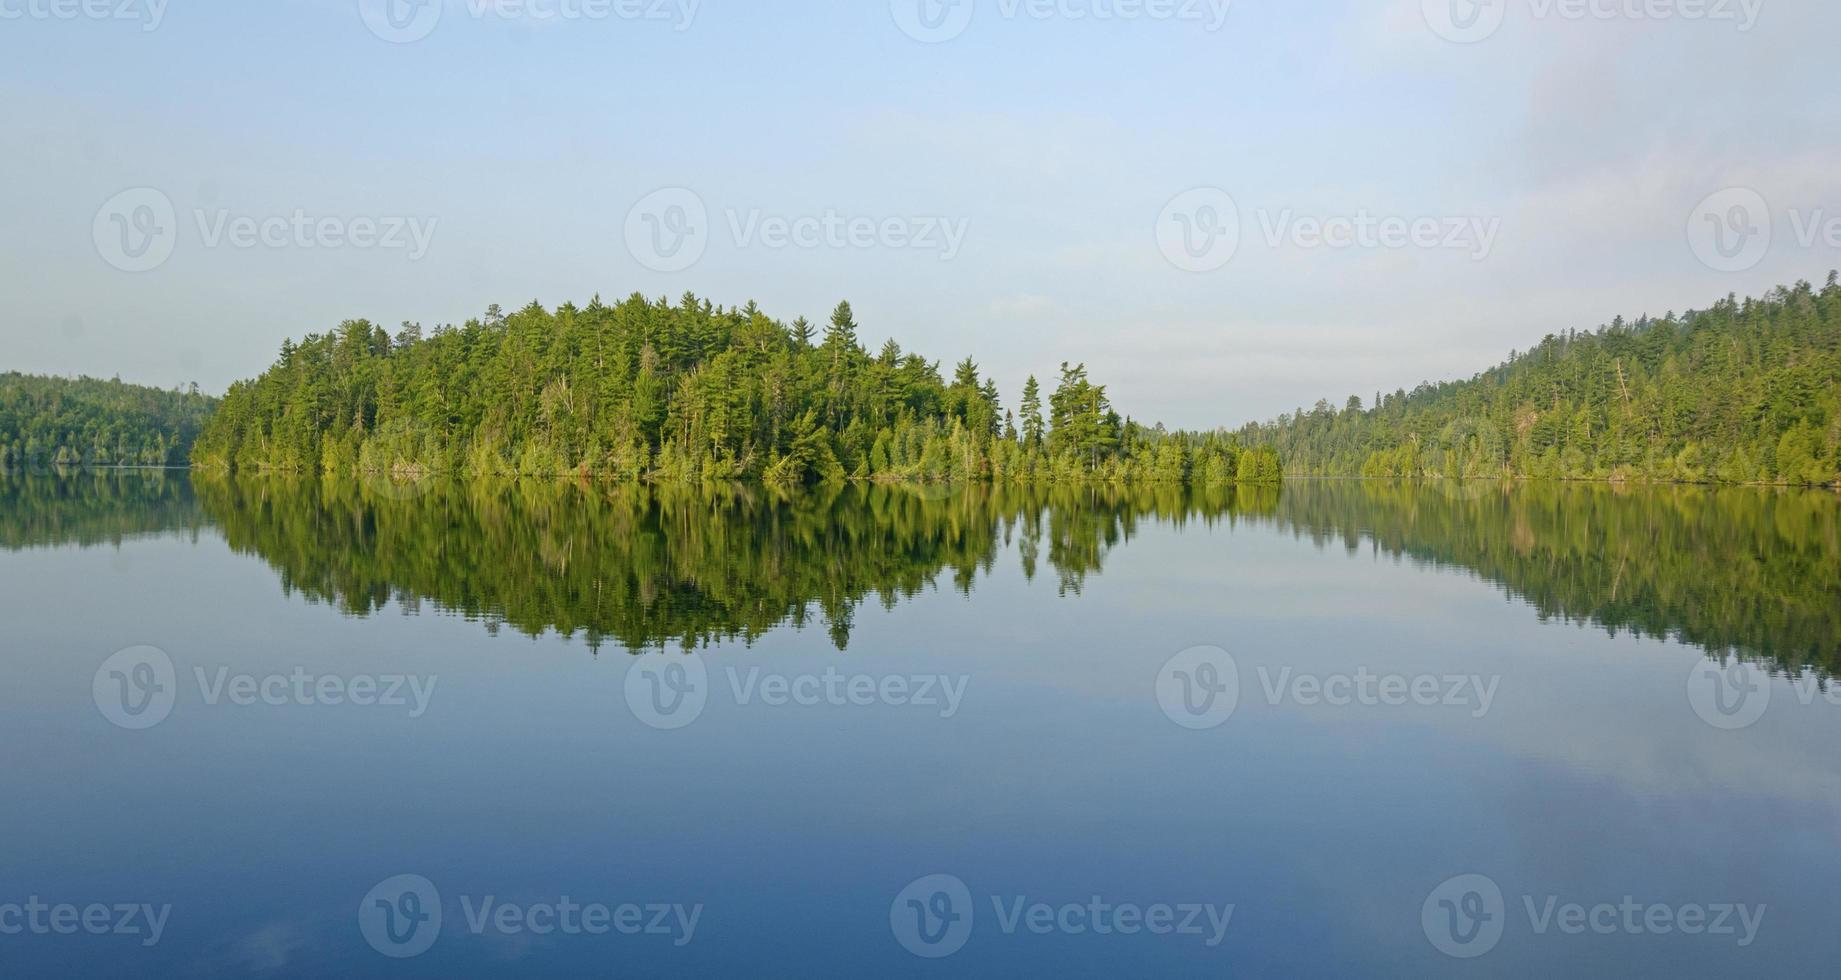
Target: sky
1228,209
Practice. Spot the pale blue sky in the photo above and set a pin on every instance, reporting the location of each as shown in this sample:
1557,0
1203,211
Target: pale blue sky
1585,145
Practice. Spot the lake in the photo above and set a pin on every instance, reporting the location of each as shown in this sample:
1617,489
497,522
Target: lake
274,726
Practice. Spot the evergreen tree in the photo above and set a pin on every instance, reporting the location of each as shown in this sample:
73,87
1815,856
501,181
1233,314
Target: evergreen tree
671,391
1747,391
1032,415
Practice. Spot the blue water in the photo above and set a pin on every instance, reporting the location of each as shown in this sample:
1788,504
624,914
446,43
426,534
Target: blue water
792,830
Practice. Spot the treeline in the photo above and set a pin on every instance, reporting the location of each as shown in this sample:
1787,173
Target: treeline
685,391
649,566
1748,391
85,508
50,422
1736,572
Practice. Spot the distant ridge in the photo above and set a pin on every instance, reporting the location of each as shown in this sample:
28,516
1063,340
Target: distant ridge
51,421
1747,391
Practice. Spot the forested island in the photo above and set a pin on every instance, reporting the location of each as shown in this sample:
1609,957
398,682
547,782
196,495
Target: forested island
647,567
1744,392
644,567
1747,391
683,391
47,422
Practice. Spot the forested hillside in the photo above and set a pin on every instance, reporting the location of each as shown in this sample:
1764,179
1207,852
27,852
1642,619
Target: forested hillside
671,564
1748,391
60,508
1591,553
85,422
681,391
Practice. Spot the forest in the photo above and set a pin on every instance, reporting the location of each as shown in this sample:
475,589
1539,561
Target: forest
650,566
647,567
65,507
1746,391
47,421
683,391
1621,559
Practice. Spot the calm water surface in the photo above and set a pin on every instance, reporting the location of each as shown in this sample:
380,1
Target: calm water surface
1345,729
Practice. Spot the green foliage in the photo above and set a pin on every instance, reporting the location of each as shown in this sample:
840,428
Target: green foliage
95,507
1259,465
1745,392
1735,571
671,564
682,392
47,422
1747,572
